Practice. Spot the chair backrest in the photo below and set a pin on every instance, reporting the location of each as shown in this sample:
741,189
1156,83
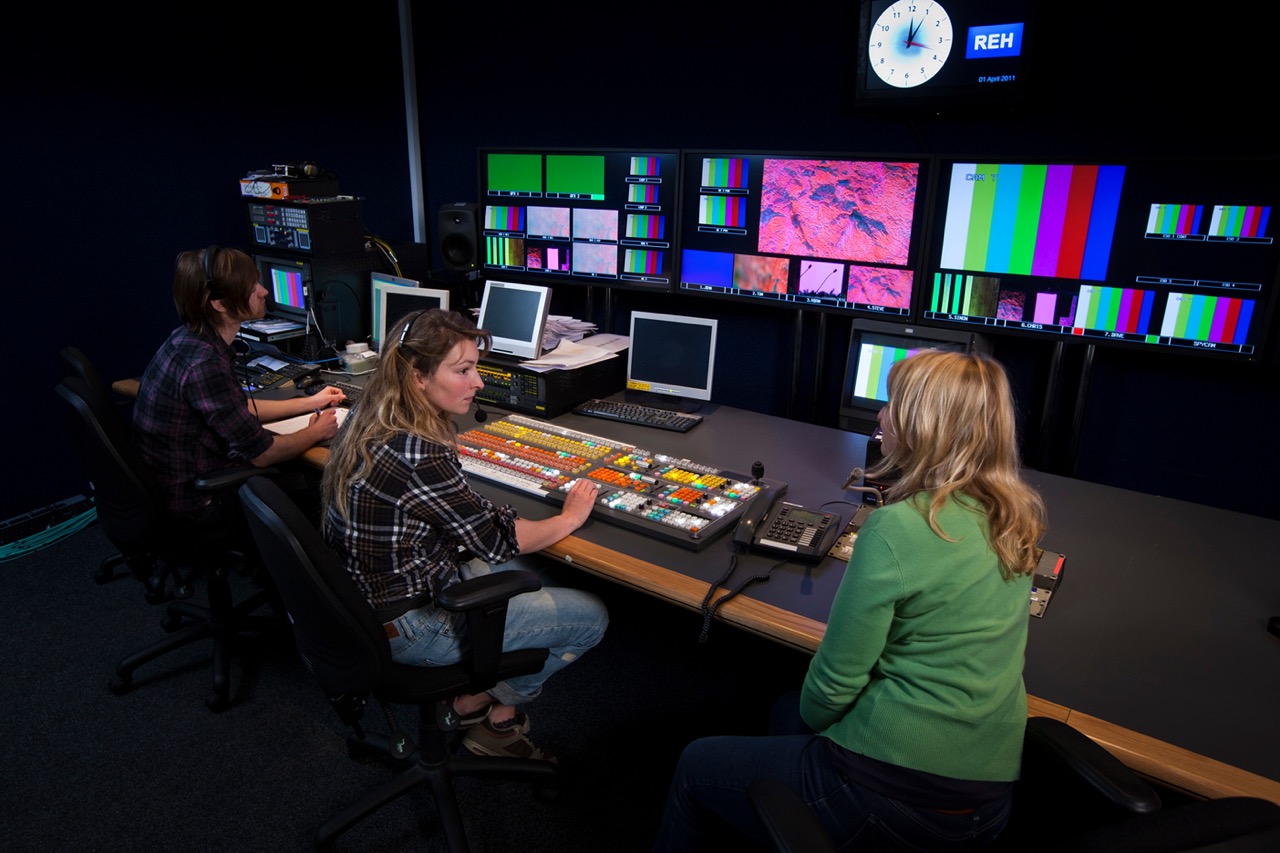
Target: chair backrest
76,363
128,502
338,636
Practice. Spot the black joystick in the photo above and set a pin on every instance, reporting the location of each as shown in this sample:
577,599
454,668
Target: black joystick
757,471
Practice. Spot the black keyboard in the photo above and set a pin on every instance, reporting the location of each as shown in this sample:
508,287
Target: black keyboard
634,413
353,391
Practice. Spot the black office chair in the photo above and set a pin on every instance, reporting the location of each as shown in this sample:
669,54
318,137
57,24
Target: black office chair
345,648
75,363
157,546
1073,795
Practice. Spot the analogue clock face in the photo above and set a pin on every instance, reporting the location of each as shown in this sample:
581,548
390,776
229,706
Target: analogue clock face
910,42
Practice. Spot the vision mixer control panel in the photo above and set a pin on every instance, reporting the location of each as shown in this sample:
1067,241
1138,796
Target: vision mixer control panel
670,498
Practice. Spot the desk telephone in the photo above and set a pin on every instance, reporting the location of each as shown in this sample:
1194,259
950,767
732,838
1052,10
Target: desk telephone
782,527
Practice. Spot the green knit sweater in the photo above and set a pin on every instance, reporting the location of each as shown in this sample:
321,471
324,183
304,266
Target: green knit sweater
921,663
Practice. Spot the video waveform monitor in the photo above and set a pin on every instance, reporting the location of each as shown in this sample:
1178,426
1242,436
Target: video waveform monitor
1168,255
595,217
829,232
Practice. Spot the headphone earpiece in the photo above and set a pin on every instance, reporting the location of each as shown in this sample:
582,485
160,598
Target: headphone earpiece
215,292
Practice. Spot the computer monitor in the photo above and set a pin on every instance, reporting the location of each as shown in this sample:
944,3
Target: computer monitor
1169,256
833,232
380,282
601,217
515,314
288,284
389,302
671,360
876,346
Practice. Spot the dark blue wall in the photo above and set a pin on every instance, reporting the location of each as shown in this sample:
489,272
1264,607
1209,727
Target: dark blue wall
124,151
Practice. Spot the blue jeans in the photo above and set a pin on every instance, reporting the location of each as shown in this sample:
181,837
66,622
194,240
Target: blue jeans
708,801
566,621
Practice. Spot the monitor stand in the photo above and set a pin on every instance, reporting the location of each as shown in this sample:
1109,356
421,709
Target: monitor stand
683,405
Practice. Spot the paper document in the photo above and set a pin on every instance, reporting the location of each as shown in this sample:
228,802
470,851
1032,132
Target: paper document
569,354
289,425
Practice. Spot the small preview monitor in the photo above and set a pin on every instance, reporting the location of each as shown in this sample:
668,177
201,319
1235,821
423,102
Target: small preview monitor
392,302
379,282
876,346
515,315
288,283
671,360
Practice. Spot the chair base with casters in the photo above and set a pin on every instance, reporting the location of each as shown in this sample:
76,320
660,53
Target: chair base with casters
157,545
344,646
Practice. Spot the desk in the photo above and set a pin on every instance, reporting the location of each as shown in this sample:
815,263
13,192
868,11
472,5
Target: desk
1155,644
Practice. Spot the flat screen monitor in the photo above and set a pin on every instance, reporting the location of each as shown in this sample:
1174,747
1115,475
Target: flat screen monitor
1175,256
288,284
393,298
876,346
604,217
923,57
515,314
829,232
671,360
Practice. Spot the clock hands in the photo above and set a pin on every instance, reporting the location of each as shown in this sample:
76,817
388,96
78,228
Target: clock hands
912,29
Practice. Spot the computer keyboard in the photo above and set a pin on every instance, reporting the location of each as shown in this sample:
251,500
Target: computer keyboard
353,391
635,413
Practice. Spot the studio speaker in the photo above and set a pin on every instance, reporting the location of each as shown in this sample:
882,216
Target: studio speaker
458,231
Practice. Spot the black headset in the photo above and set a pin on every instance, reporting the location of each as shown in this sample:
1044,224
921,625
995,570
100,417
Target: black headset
215,292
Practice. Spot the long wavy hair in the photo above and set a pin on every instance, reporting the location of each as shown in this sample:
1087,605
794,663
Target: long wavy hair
956,433
392,403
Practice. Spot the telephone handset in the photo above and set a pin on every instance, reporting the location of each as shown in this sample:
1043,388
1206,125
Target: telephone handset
745,532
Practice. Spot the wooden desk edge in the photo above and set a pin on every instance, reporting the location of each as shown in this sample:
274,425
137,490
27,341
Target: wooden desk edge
1168,764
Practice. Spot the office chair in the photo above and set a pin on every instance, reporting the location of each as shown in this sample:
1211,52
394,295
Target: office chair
1073,795
155,544
76,364
345,648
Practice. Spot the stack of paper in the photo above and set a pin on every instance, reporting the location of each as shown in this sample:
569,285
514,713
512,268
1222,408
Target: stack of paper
564,329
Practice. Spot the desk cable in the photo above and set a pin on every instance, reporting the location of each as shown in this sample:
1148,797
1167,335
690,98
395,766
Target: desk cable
710,607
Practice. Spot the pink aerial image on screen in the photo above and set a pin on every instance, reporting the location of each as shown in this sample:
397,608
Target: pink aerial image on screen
853,210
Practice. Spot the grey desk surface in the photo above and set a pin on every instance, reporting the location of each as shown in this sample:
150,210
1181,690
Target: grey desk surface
1158,626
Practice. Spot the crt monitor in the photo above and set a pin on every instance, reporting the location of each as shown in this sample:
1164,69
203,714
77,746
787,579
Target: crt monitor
874,347
288,284
394,297
515,314
671,360
1175,256
602,217
833,232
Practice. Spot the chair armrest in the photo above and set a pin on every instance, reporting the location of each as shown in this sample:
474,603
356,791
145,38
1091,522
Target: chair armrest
787,818
1091,763
484,601
231,478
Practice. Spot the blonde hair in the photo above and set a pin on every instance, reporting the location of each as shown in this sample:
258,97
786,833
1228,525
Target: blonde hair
392,402
952,414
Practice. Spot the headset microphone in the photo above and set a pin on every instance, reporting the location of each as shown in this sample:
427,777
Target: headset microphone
481,415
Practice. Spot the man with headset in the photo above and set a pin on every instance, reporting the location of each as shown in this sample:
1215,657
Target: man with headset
191,417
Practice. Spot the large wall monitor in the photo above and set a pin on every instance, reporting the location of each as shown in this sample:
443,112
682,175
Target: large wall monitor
876,346
945,56
830,232
393,298
515,314
596,217
671,360
1166,255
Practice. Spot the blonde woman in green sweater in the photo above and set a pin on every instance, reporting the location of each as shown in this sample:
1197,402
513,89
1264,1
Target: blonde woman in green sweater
908,729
